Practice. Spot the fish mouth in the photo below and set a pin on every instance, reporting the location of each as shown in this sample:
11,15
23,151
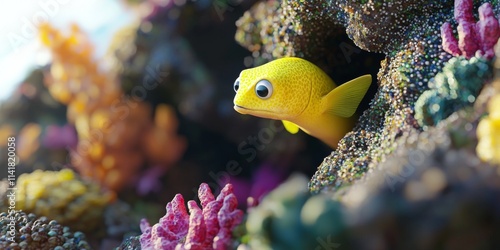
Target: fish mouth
256,112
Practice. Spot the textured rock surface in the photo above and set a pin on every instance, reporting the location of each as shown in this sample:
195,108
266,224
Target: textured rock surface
431,192
32,232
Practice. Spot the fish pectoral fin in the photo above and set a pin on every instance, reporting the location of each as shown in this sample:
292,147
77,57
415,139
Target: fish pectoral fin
344,100
291,127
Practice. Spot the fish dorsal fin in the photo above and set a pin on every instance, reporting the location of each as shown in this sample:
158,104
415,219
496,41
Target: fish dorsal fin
344,100
291,127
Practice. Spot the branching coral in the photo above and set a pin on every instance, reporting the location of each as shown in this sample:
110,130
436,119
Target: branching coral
32,232
207,228
456,87
110,125
472,37
62,196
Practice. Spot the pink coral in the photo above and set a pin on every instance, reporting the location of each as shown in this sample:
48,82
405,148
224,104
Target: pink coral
472,37
207,228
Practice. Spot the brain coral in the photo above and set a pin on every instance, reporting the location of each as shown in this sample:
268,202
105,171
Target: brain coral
63,196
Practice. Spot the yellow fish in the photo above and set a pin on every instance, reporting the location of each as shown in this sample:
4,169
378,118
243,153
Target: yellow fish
300,94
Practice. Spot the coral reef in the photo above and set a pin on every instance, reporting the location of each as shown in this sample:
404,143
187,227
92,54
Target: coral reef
431,192
473,37
207,228
64,197
110,125
310,30
407,33
414,55
455,87
32,232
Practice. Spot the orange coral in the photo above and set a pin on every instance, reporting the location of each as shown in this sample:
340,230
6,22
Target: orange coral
117,135
159,139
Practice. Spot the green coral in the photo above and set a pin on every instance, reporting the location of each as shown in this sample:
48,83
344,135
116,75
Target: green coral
63,196
456,87
291,218
32,232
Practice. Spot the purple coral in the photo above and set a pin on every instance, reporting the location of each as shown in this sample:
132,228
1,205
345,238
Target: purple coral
60,137
472,37
207,228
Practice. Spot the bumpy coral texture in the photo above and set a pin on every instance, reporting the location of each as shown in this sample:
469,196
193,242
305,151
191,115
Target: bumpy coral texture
110,125
63,196
208,227
472,37
456,87
33,232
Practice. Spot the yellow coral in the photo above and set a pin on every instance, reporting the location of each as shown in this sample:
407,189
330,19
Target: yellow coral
488,133
110,126
63,196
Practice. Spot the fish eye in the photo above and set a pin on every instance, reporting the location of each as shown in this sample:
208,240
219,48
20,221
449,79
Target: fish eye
264,89
236,85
